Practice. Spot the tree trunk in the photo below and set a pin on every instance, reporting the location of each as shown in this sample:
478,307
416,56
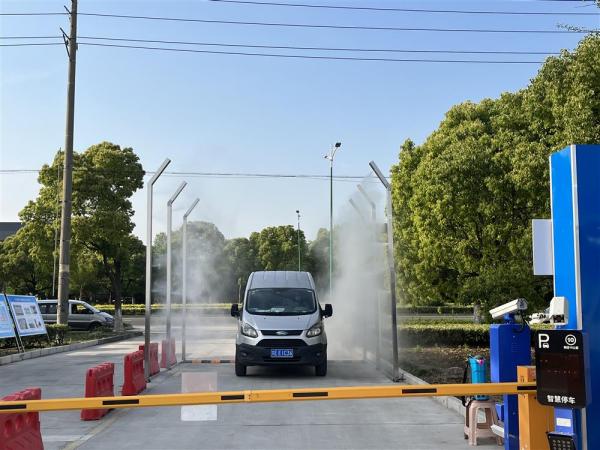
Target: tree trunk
118,290
114,275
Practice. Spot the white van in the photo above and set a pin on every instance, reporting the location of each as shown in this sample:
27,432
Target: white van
82,316
281,322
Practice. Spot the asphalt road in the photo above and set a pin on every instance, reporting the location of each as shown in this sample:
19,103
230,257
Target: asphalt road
408,423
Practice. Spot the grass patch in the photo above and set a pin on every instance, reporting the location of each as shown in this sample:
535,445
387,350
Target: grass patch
8,346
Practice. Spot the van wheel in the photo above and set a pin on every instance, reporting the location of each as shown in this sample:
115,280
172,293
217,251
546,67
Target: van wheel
94,326
240,369
321,369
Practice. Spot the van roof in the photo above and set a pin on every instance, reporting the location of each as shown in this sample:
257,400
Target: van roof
281,279
53,300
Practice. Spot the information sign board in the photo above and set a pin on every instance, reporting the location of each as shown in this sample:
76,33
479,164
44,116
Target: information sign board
26,312
7,329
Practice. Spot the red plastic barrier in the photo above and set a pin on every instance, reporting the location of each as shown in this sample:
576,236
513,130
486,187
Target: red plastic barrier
154,366
134,380
21,431
99,382
168,355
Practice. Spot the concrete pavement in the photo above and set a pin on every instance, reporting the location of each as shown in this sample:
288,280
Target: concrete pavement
408,423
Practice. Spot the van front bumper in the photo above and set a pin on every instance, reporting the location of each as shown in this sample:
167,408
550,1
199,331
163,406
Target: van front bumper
251,355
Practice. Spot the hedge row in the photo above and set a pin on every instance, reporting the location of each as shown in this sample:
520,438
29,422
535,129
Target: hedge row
445,334
416,310
139,310
57,335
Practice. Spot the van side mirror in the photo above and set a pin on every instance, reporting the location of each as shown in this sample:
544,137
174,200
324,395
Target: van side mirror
235,310
328,310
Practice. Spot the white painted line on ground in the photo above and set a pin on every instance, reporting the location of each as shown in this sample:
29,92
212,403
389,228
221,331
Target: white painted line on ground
198,382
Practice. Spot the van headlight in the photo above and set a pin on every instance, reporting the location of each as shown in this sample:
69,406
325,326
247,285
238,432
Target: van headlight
248,330
315,330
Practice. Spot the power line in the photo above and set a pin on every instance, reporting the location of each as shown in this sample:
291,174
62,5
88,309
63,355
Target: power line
36,14
337,49
409,10
317,57
243,175
31,37
329,26
31,44
291,47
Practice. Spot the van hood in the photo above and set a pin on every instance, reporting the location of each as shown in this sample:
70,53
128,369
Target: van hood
281,322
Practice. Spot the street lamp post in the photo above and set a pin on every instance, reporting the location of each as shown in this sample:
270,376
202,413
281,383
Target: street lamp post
149,188
169,269
184,276
299,250
392,268
331,157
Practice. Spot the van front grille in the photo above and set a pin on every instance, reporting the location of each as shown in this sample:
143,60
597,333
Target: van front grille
281,343
274,332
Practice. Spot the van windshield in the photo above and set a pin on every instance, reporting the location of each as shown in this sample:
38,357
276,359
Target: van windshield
281,302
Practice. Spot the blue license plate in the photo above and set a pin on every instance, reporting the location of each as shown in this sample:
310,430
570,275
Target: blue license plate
282,353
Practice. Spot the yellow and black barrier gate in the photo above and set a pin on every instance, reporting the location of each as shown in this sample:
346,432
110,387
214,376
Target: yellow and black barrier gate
264,396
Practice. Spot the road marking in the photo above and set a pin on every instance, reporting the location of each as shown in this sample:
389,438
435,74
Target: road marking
198,382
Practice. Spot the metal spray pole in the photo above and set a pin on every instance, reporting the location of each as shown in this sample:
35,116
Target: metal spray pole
392,268
376,242
149,188
169,270
184,277
358,211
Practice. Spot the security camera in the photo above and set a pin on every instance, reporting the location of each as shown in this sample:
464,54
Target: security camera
557,313
519,304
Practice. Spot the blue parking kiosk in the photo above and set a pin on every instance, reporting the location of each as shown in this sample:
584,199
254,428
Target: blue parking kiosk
575,200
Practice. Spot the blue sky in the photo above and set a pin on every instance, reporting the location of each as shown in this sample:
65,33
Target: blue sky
218,113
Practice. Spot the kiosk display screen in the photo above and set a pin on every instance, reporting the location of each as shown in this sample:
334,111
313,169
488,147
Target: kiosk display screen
560,368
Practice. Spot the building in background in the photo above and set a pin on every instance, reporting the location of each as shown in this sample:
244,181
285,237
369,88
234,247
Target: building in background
8,229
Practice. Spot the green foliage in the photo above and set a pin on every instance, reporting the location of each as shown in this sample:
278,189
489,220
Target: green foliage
464,199
319,259
220,268
426,334
277,247
105,255
454,309
57,333
140,310
443,333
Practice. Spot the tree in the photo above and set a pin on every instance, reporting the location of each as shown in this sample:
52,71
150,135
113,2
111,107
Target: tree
105,177
318,259
209,278
464,199
277,247
242,259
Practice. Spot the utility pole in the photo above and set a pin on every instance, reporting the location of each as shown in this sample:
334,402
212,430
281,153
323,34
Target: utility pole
65,221
54,254
184,274
299,250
